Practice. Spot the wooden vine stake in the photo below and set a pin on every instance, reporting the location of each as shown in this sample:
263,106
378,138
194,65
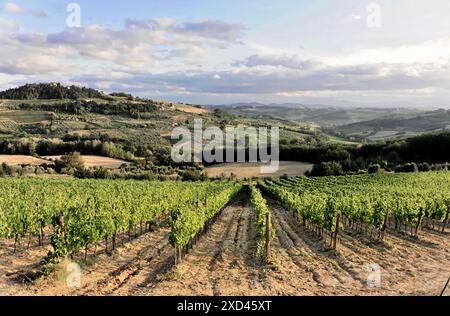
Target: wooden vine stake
177,255
268,233
385,224
419,222
336,231
445,220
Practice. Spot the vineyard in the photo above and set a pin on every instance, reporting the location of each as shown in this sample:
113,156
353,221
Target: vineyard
294,236
369,203
85,213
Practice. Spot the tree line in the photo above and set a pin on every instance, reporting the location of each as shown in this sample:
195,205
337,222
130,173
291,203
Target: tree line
49,91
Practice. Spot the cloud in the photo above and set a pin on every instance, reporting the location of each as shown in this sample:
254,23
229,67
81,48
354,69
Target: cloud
15,9
8,24
39,13
287,61
212,29
356,79
161,37
31,66
140,46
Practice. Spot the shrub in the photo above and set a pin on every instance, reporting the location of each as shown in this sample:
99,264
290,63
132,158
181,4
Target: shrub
424,167
332,168
193,175
374,169
70,161
409,167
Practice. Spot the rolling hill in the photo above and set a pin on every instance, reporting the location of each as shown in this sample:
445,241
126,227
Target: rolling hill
395,126
323,115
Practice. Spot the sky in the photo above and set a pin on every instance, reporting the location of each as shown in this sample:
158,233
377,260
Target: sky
390,53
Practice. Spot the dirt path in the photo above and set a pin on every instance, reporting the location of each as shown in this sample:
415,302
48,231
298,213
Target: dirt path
222,263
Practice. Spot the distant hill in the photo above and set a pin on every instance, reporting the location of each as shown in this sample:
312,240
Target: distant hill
397,125
47,91
250,105
322,115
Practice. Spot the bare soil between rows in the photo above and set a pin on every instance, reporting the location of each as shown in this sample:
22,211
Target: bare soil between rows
223,263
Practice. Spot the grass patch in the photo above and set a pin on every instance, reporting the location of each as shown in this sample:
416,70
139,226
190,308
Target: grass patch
24,117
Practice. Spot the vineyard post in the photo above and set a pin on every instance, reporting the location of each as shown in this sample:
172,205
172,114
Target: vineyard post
419,221
41,236
445,220
385,224
29,241
176,255
268,224
336,230
15,242
114,242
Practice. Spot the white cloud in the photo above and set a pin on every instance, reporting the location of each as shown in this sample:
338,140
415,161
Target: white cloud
8,24
432,51
284,60
354,17
11,7
141,46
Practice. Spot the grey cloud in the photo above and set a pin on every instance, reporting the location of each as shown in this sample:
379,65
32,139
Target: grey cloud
212,29
292,61
81,36
30,38
246,82
141,31
142,24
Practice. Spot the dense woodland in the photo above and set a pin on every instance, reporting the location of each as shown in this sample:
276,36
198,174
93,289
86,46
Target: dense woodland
79,107
393,155
49,91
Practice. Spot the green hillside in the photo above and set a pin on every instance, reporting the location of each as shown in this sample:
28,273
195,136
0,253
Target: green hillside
396,126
